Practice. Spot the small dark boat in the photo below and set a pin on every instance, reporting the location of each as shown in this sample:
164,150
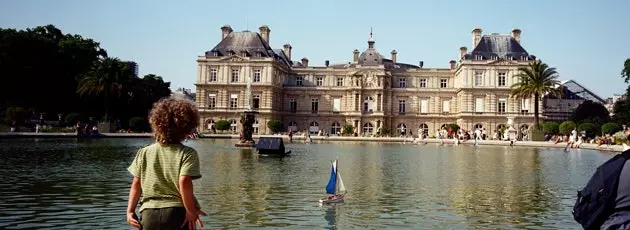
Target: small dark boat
271,146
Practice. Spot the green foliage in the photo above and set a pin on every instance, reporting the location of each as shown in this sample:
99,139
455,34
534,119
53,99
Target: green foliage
274,125
622,111
625,73
138,124
45,60
551,127
222,125
17,114
610,128
566,127
590,111
590,129
73,118
386,131
620,137
56,129
455,127
347,130
536,80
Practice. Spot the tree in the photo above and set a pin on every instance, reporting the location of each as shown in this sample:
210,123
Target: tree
625,72
622,107
137,124
590,129
536,79
274,125
566,127
347,130
222,125
551,127
590,111
105,79
610,128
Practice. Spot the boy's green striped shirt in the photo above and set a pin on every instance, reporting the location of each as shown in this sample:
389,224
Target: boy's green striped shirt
159,168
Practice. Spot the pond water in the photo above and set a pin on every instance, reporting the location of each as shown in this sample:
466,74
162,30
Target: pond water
70,183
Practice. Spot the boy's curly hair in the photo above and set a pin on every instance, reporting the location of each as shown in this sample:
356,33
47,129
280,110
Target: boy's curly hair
173,119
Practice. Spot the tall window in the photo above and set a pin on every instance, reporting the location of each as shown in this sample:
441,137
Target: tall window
234,75
293,126
478,78
501,80
423,83
339,81
256,102
257,75
368,104
443,83
368,128
233,125
479,105
335,128
336,105
379,101
314,105
299,80
234,101
256,125
212,101
356,102
424,106
213,75
319,80
446,106
293,105
402,82
525,105
401,106
501,105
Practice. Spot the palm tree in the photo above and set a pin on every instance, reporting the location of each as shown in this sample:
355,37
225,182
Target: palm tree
536,79
106,78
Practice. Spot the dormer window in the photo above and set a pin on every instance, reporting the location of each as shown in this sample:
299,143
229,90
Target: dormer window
259,54
508,58
231,52
478,57
524,58
244,53
215,53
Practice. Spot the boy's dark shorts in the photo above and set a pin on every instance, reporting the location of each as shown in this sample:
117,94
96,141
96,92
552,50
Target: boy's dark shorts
163,218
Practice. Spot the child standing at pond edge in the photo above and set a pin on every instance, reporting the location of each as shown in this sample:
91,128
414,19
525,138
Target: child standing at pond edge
163,172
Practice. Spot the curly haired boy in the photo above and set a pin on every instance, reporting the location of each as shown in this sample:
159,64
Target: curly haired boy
163,172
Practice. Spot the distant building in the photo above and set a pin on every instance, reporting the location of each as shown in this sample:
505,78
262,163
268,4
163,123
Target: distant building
134,67
184,93
573,95
611,101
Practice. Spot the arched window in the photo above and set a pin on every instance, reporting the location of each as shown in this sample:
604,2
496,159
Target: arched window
293,126
424,128
233,125
313,127
255,126
478,126
402,129
335,128
368,128
368,104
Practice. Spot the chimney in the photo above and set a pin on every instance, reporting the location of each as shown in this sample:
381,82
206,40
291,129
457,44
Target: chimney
304,62
462,51
476,36
421,64
356,55
327,63
225,31
516,34
287,50
394,56
452,62
264,32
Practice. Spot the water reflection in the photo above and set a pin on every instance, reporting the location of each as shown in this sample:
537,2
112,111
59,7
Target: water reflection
51,183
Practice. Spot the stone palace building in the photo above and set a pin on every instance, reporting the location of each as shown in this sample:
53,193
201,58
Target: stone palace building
368,92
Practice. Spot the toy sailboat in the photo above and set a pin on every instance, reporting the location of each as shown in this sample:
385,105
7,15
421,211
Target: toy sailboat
335,186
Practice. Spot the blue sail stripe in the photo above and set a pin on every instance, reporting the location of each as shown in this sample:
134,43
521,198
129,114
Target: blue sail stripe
330,187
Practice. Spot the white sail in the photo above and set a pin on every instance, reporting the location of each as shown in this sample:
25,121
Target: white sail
342,188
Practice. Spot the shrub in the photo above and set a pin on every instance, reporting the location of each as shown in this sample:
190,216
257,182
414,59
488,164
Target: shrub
274,126
590,129
73,118
620,137
138,124
566,127
17,114
347,130
550,127
222,125
610,128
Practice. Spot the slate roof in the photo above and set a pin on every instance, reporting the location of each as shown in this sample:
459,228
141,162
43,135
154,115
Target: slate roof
249,42
501,46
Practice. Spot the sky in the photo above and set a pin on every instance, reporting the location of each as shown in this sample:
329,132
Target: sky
586,41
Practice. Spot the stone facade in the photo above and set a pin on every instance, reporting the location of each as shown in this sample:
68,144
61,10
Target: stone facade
369,92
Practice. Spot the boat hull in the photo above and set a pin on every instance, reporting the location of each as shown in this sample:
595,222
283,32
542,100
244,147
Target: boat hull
332,199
